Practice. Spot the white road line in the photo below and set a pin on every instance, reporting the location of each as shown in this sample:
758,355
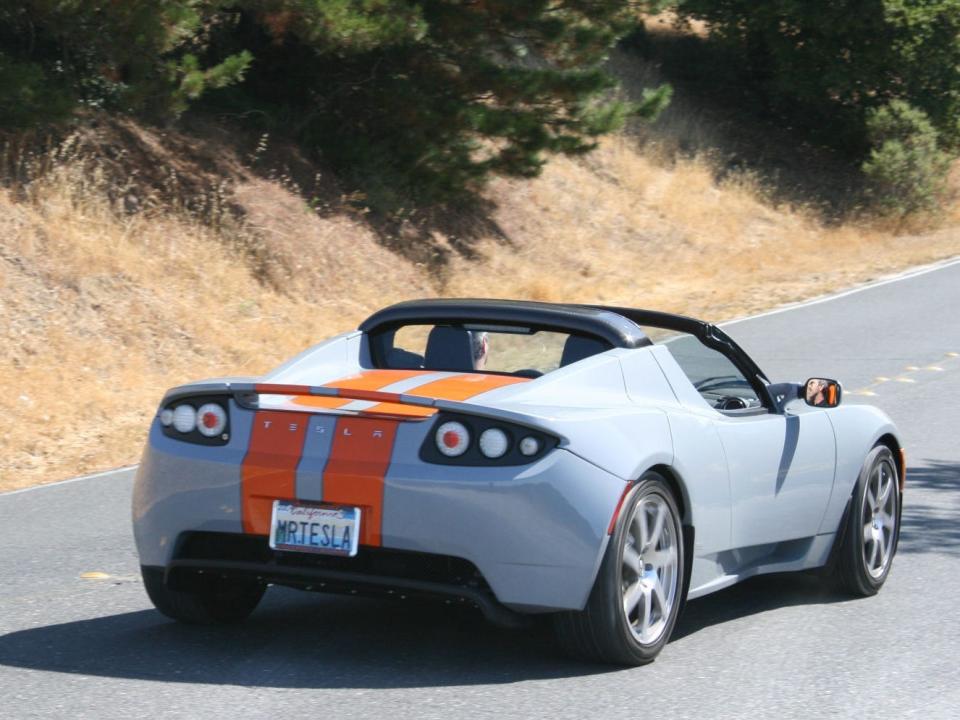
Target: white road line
906,275
68,481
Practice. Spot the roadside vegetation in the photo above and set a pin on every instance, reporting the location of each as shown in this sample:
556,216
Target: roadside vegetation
242,179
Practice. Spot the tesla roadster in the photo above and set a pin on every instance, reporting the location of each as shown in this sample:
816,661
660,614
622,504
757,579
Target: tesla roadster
597,465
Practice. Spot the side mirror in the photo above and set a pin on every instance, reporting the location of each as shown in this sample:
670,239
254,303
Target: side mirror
822,392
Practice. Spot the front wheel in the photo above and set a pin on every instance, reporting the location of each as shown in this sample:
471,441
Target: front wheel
637,595
873,526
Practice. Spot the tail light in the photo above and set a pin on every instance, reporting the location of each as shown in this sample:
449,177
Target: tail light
200,420
184,418
466,440
211,419
494,443
452,439
529,446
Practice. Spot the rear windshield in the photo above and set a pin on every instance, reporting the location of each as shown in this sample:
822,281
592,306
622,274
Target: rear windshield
471,347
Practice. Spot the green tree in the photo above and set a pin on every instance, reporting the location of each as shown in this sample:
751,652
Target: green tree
135,55
415,100
28,95
422,100
829,62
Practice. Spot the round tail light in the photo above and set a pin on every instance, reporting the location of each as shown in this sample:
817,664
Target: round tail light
494,443
529,446
211,419
184,418
452,439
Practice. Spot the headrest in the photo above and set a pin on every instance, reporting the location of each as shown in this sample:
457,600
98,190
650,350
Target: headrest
577,348
449,348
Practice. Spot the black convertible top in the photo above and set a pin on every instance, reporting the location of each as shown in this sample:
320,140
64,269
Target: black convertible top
600,322
619,326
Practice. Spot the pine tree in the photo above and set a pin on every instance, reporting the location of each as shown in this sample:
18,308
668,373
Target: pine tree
424,100
135,55
414,100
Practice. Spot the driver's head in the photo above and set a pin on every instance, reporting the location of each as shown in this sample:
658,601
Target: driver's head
815,389
479,346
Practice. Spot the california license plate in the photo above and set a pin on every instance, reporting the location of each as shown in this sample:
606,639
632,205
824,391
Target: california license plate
327,529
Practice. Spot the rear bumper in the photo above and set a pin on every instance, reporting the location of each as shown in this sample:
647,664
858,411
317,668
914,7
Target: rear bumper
376,572
535,534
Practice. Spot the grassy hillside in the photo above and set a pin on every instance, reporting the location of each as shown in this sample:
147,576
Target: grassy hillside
133,259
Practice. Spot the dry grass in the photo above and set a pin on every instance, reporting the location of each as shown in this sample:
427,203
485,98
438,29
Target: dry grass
101,311
619,228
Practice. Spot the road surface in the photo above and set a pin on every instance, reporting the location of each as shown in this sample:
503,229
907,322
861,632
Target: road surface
76,645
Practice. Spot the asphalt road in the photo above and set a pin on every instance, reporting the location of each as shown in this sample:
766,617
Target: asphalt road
779,646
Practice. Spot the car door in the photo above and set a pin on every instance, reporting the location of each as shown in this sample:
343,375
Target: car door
781,464
781,474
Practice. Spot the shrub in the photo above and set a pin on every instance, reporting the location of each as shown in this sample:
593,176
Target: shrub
906,168
28,95
827,63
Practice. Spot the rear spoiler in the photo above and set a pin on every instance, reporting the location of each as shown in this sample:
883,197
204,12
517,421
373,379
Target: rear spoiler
243,392
247,394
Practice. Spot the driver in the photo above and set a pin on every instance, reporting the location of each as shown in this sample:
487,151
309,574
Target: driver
480,348
816,392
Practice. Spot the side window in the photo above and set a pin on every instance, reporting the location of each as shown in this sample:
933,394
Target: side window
713,374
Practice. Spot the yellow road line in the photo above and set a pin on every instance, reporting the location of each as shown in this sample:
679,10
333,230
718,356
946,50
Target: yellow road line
95,575
904,378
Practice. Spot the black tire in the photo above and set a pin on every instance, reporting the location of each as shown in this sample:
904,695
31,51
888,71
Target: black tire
603,631
219,602
856,572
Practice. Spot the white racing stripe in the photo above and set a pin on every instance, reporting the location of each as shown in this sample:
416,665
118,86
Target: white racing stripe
404,386
352,406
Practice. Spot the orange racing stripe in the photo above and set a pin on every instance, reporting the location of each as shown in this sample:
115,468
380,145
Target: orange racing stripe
463,387
269,470
456,387
409,411
374,379
365,380
359,458
319,401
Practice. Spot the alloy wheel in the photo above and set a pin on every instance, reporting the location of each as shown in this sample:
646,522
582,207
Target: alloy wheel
649,577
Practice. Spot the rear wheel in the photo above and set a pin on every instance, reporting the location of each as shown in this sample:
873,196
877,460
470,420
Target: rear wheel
873,526
217,602
636,598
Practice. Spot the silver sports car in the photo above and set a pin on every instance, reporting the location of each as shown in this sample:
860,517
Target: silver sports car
597,465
